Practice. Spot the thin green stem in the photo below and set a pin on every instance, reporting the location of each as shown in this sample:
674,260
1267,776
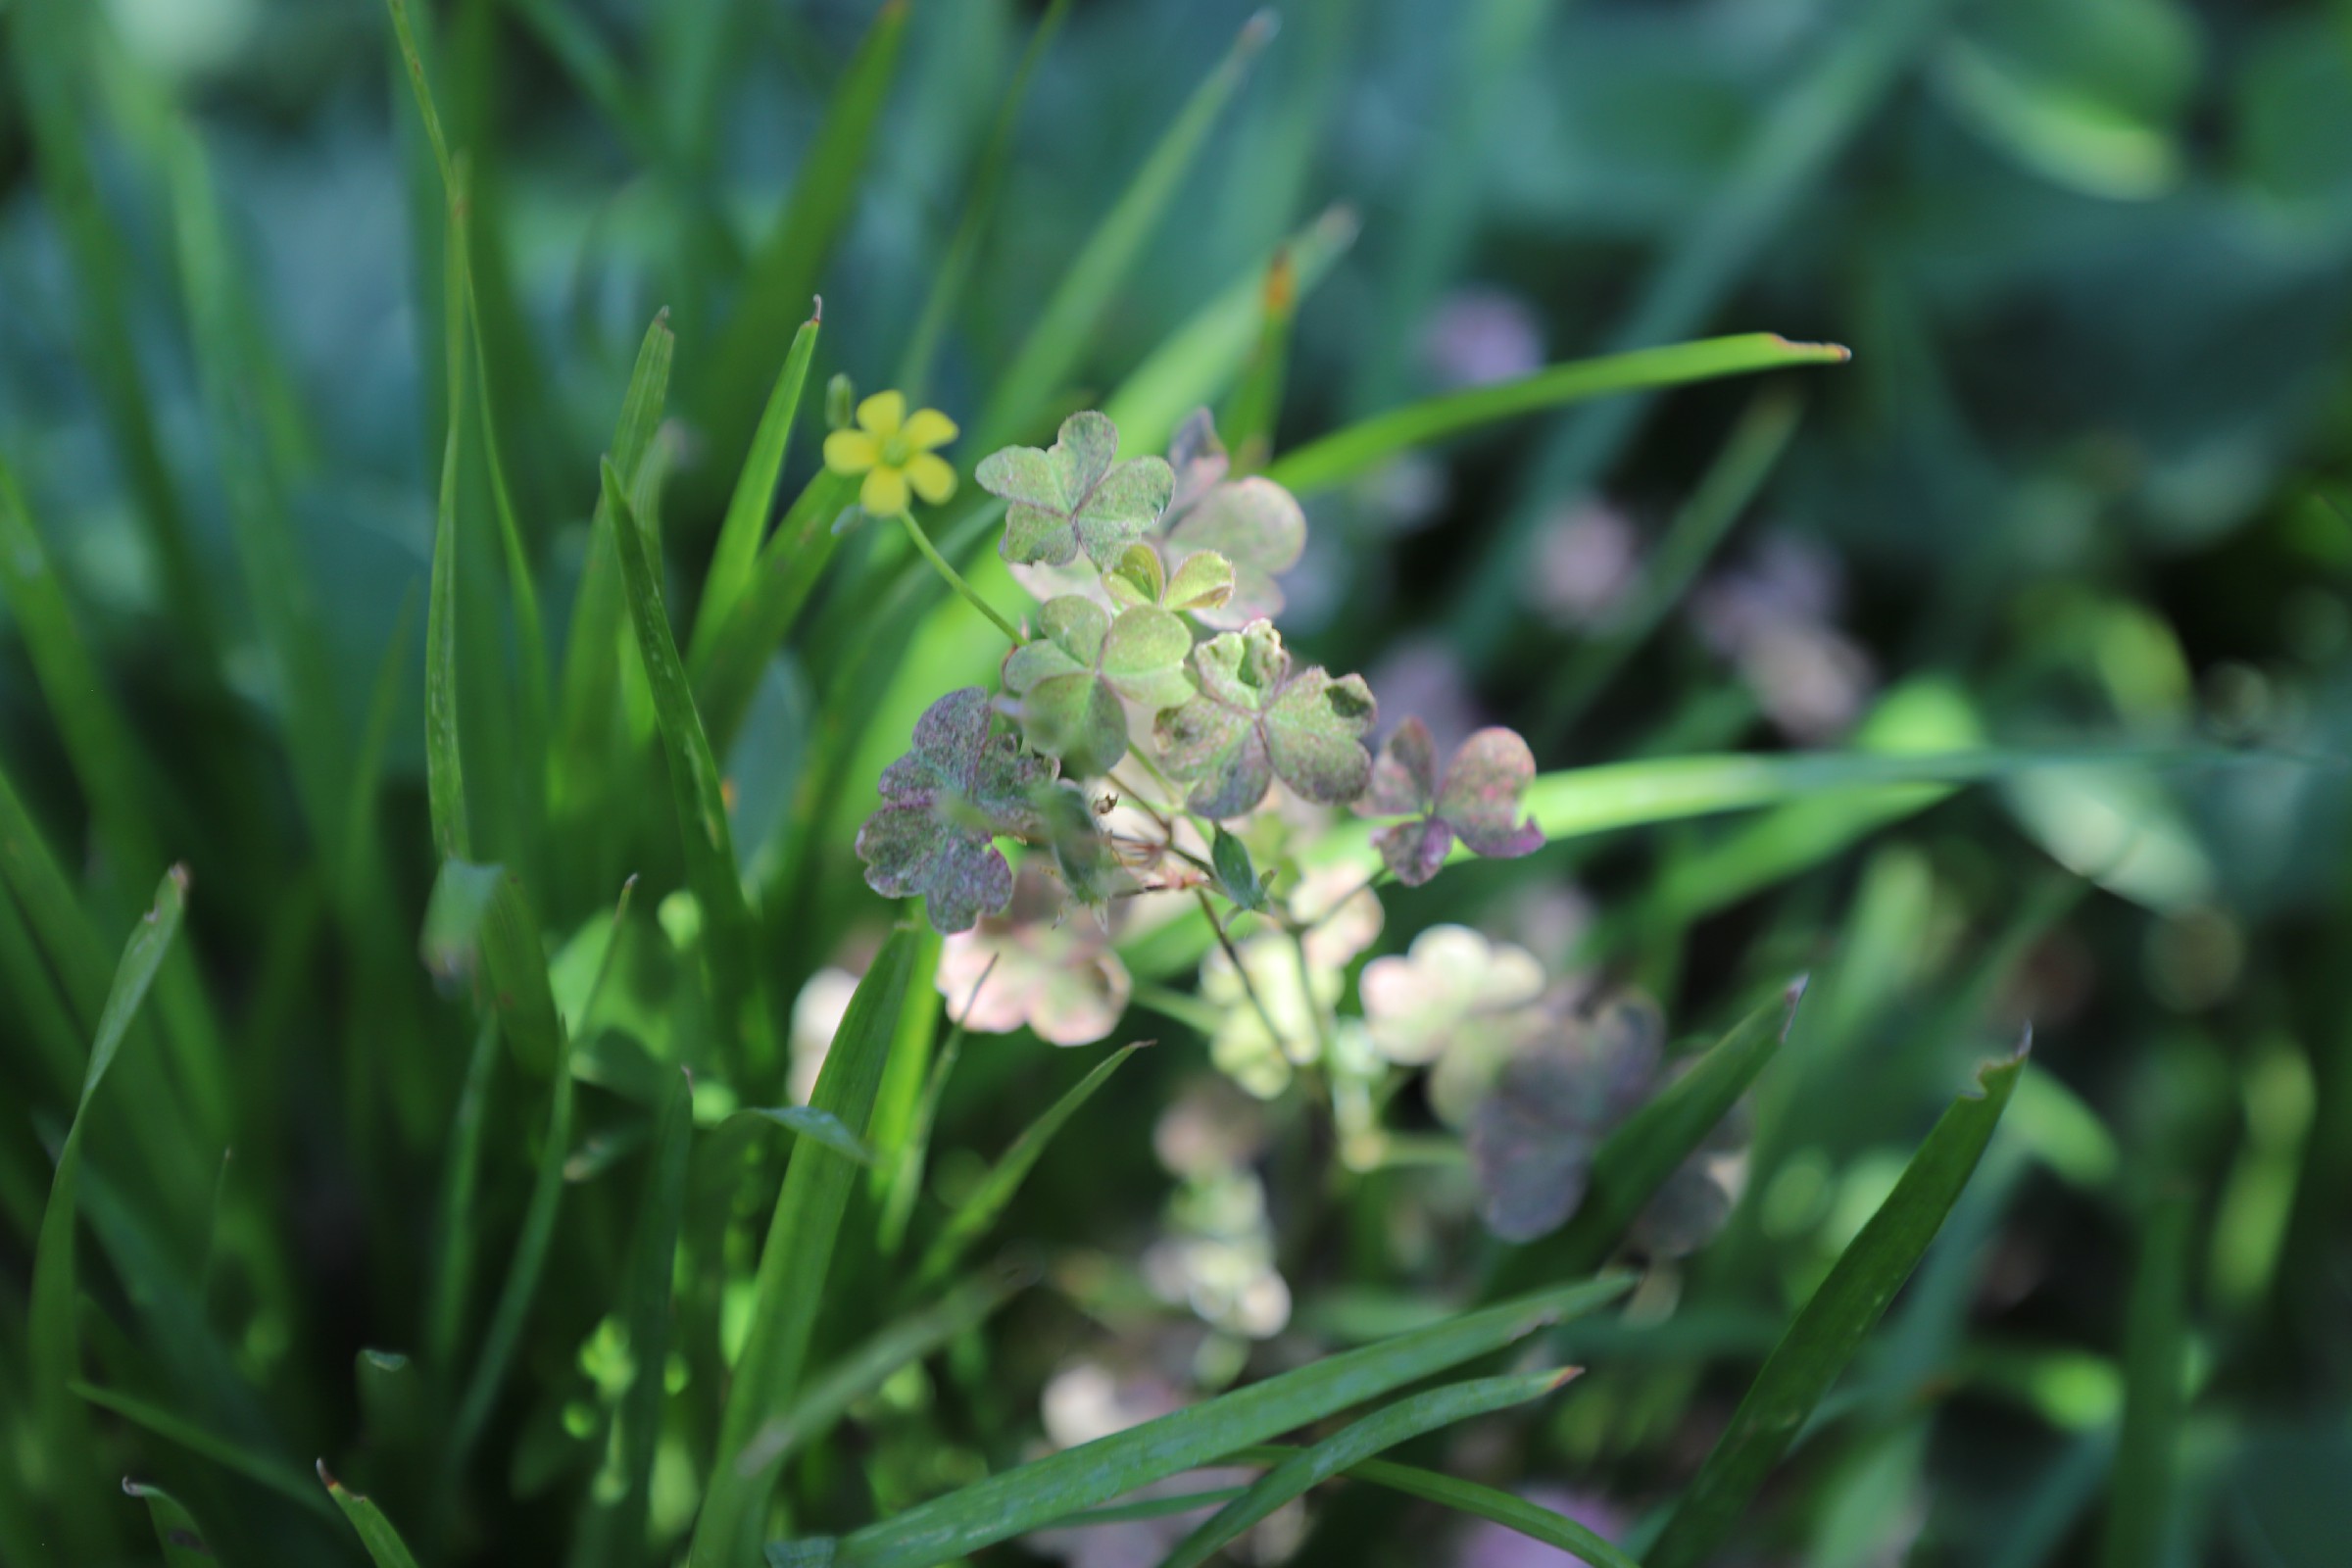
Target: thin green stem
939,563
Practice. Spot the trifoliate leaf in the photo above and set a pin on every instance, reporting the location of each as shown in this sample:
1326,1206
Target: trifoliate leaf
1071,679
1477,802
1254,719
1075,496
1533,1139
942,802
1236,874
1254,524
1031,967
1453,982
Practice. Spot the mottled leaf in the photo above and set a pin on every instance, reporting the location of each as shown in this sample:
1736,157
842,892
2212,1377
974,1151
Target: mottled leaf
1071,678
1254,719
1258,528
1453,982
963,783
1057,976
1075,496
1475,803
1533,1139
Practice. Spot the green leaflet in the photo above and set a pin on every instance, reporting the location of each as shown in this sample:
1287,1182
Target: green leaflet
736,556
1346,454
792,1265
286,1480
1003,1179
50,1331
1355,1443
384,1547
2142,1498
1039,1493
1833,1325
729,937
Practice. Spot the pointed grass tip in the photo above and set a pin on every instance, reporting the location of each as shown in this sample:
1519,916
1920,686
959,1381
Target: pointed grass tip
817,309
1256,33
1562,1378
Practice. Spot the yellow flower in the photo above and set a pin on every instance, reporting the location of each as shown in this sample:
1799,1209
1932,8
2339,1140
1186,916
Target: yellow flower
892,450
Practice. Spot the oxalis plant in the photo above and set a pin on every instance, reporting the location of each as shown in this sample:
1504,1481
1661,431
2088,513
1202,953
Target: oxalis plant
637,1300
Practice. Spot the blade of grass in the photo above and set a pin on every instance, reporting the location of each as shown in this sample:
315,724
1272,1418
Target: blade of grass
1490,1504
807,1121
444,753
790,1286
1357,449
1055,343
612,1523
784,271
384,1547
1636,1159
996,1189
728,671
1833,1325
899,1099
461,1178
1729,485
479,915
2142,1498
870,1365
729,939
52,908
1256,402
905,1177
1036,1493
1360,1441
50,1333
736,556
175,1529
279,1477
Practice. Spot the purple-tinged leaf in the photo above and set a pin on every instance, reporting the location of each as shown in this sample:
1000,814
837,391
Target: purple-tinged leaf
1075,496
943,804
1254,719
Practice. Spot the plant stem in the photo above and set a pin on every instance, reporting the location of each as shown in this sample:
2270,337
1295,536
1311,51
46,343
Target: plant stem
939,563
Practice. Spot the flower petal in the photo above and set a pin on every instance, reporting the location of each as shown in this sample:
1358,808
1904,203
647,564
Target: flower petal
884,493
852,452
882,413
931,476
927,428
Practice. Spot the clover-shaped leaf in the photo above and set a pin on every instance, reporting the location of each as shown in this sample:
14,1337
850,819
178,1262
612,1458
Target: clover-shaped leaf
1255,719
1454,983
1071,679
1029,966
1533,1139
1075,495
1254,524
1203,582
1477,802
963,783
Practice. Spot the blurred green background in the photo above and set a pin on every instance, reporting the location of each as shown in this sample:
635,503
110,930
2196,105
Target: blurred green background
2081,487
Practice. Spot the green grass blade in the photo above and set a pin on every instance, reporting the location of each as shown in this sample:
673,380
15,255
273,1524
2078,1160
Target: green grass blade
1055,346
612,1525
384,1547
52,908
1039,1493
50,1332
1726,491
783,272
1491,1503
175,1529
480,913
444,753
359,858
460,1180
729,940
738,652
1833,1325
793,1266
1195,363
737,554
279,1477
862,1371
1360,1441
1355,450
1636,1159
905,1178
807,1121
1119,1513
996,1189
2142,1497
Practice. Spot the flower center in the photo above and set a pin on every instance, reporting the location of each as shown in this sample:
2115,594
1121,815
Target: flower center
896,450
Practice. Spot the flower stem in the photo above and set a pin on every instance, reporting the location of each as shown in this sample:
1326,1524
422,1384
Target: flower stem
939,563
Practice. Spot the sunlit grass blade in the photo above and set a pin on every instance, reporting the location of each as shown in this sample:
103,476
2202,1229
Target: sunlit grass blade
384,1547
870,1365
50,1331
1491,1503
996,1189
807,1121
729,670
1195,363
1357,1442
1349,453
783,272
744,528
1636,1159
951,273
1042,1491
1058,340
280,1476
176,1532
1835,1322
1256,402
1729,485
790,1287
612,1523
2144,1495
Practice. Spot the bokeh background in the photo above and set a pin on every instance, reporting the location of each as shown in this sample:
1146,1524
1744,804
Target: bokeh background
2081,488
